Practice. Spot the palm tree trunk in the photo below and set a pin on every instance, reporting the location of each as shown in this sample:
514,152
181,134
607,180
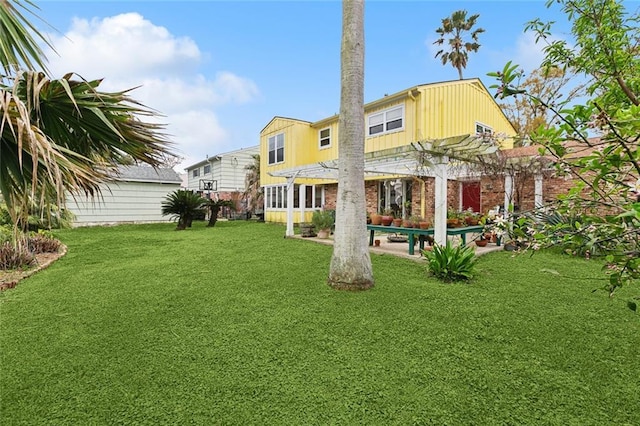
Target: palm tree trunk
350,264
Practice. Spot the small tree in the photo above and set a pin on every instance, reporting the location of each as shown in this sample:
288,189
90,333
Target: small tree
452,30
183,205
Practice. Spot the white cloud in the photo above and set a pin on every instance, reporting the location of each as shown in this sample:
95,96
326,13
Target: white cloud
129,51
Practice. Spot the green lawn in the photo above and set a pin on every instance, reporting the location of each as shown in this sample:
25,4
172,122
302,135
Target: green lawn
236,325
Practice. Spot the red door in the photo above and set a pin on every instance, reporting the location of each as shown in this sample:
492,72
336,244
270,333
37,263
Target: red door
471,196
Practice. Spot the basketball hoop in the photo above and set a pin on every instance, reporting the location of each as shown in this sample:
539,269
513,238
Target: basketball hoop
208,185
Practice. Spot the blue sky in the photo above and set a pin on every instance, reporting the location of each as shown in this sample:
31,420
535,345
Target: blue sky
220,71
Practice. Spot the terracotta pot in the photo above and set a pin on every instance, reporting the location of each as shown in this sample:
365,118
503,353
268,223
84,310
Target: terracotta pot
387,220
324,233
376,219
376,243
424,225
482,243
407,224
453,223
397,222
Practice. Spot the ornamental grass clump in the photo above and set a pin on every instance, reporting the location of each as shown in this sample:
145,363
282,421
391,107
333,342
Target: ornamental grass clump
450,264
43,242
12,257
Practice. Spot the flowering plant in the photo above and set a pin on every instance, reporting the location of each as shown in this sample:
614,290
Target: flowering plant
497,225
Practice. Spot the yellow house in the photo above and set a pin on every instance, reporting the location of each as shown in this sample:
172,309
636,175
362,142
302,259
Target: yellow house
298,157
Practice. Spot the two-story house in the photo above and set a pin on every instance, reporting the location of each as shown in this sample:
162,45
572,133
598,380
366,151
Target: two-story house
298,158
222,175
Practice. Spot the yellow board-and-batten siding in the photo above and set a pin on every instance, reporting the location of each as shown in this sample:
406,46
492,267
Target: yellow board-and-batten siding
431,111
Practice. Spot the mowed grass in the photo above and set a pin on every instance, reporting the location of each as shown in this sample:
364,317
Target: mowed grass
236,325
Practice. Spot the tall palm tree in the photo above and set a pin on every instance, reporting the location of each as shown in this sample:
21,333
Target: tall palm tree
350,263
253,191
455,26
62,134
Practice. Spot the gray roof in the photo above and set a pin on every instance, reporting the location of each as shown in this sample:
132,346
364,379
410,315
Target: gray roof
148,174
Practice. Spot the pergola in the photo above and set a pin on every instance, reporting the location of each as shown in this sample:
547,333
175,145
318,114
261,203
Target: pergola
439,158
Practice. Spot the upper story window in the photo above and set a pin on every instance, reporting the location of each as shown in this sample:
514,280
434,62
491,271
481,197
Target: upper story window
386,121
207,169
481,129
276,149
196,172
324,137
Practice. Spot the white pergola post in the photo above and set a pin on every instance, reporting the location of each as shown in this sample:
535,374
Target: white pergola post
302,196
508,193
290,186
538,191
440,216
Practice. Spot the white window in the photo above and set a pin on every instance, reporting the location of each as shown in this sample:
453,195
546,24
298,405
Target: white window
481,129
390,120
276,149
207,169
276,196
324,137
196,173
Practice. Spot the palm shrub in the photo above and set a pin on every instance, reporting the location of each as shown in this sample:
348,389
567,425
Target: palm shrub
448,263
214,207
183,205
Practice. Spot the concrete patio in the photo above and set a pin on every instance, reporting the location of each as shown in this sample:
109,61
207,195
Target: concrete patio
401,249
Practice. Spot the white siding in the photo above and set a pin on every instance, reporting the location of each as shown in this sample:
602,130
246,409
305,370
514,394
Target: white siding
123,202
228,170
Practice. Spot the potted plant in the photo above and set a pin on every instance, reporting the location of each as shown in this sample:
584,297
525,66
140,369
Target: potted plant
453,219
387,217
323,221
376,218
423,223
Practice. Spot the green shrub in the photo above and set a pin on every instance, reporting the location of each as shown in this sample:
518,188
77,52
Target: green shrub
448,263
12,257
323,219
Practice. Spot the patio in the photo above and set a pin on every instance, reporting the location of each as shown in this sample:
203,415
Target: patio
400,249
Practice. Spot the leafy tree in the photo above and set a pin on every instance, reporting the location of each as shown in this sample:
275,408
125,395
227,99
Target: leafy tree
452,31
526,114
607,167
60,134
350,263
253,191
183,205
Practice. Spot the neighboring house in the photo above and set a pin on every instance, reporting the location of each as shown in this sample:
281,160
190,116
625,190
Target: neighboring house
222,176
135,196
299,158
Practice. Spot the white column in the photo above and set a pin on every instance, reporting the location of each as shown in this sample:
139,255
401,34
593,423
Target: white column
290,181
538,191
508,193
302,196
440,216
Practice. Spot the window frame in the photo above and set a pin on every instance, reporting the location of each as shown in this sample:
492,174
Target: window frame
320,138
204,169
484,127
386,121
275,149
195,172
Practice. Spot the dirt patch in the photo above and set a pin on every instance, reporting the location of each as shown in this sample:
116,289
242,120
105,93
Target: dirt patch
9,279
